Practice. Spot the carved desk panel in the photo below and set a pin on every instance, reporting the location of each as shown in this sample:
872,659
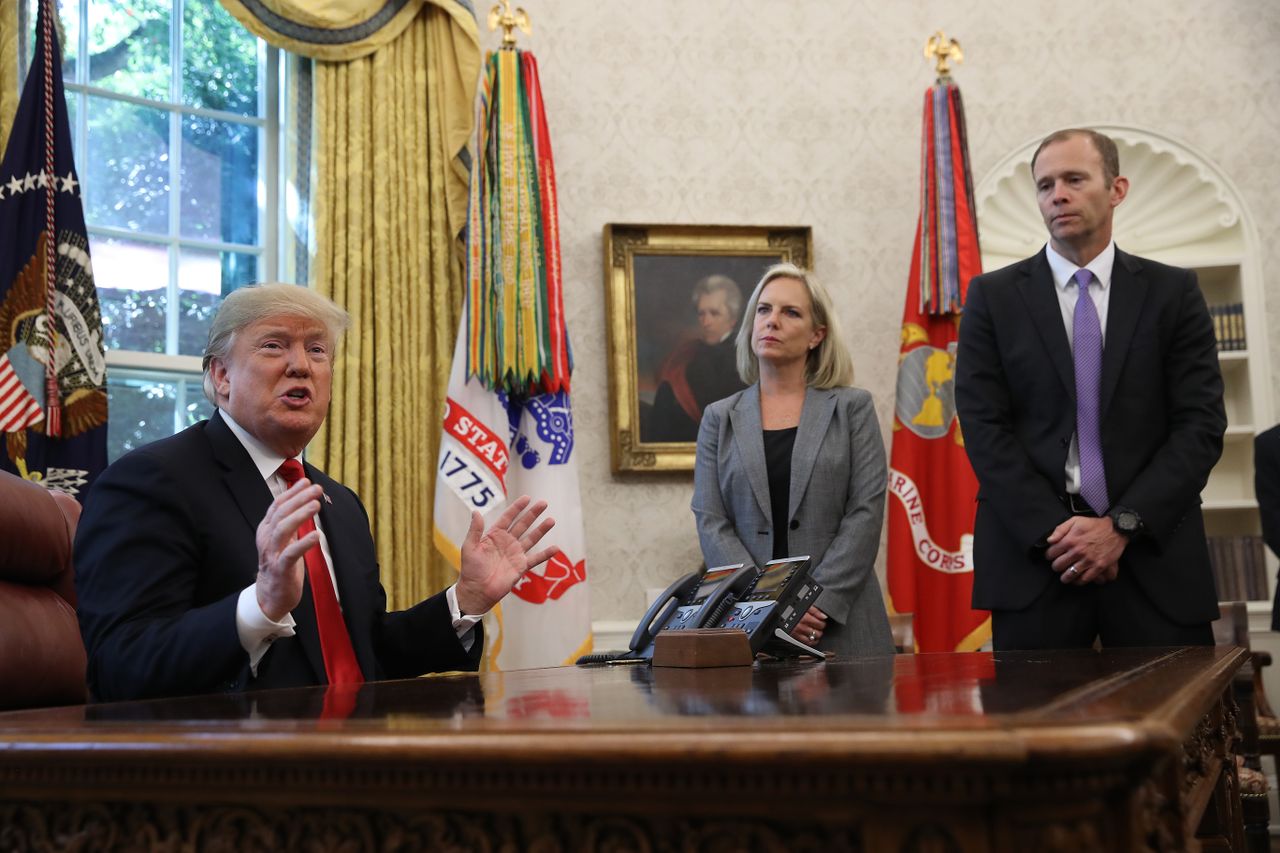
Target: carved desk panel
1051,751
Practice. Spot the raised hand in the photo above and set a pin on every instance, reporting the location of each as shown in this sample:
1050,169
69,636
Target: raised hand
280,565
494,560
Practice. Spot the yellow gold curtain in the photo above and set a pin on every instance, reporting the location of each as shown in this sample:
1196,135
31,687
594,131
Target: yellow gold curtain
394,85
390,205
8,69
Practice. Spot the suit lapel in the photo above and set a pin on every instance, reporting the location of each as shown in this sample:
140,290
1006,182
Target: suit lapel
1046,314
248,490
1128,292
819,405
748,438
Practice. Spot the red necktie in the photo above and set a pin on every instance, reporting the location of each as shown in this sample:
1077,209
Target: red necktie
340,664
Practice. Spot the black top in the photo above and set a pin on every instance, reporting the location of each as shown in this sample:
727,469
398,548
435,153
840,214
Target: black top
778,444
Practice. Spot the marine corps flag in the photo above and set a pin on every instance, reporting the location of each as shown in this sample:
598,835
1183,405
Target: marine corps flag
930,558
53,400
508,424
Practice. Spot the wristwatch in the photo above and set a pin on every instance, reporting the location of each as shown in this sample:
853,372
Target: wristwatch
1126,522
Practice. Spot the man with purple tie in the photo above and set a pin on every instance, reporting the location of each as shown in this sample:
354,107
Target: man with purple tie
1090,400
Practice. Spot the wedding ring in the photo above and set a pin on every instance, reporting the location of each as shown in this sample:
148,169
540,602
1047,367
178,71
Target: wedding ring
813,636
1072,571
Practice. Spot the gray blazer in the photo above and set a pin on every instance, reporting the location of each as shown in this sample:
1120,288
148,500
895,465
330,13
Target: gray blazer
838,478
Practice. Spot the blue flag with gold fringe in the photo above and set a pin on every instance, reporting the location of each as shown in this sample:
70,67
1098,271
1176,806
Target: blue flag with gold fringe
53,399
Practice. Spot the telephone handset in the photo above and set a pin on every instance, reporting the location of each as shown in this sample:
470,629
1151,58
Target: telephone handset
719,589
659,613
664,608
697,600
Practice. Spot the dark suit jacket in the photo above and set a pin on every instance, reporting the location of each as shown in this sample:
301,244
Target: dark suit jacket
1266,485
1162,427
166,544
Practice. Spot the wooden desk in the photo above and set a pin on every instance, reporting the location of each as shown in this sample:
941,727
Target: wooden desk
1059,751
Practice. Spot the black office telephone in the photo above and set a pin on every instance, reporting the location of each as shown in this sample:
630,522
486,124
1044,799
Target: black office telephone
698,600
773,606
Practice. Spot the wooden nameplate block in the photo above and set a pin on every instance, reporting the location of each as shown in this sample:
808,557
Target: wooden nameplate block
702,647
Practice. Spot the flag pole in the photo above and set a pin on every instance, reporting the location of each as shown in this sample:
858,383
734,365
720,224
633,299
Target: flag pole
931,485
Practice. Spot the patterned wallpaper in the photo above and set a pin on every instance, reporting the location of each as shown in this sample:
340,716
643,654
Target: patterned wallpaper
808,113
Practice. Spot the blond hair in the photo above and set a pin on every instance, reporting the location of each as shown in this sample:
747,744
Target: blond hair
247,305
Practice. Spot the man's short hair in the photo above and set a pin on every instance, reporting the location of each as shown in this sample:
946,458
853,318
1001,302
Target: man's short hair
720,284
1103,144
258,301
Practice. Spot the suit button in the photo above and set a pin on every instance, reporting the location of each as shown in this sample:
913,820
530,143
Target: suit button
1065,442
794,525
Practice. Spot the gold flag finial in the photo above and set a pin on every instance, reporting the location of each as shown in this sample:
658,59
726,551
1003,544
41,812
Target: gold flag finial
939,48
503,16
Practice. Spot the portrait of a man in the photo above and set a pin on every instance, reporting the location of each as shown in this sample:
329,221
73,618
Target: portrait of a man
688,309
700,370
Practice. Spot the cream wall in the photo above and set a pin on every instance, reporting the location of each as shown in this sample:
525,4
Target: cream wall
808,113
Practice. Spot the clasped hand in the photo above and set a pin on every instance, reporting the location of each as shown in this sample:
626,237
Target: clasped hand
1090,546
493,560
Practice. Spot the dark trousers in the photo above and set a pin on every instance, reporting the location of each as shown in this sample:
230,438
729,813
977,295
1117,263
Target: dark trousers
1118,613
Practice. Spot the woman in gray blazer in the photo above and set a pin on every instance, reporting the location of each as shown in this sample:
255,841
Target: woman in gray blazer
795,465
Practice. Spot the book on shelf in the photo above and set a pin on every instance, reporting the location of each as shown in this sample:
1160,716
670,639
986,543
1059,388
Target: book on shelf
1228,326
1239,567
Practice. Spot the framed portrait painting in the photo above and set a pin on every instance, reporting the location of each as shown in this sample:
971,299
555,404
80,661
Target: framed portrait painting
674,301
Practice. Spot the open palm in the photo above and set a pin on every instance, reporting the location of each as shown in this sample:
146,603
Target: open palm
494,560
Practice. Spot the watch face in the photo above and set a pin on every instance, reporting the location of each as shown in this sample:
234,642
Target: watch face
1127,521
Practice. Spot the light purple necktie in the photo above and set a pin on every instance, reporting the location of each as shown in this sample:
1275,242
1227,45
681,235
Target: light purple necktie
1087,344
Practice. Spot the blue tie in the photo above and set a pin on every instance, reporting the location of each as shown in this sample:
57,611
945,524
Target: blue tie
1087,345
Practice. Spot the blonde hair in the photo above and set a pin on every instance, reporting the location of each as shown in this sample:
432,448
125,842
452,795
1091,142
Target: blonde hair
247,305
829,364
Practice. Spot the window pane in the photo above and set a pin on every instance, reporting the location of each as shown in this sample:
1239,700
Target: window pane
219,180
126,172
132,278
219,60
205,277
68,13
144,409
129,47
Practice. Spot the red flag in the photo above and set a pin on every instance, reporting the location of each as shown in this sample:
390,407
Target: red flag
930,558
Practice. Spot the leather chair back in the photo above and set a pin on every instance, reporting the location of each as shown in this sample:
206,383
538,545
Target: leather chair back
42,658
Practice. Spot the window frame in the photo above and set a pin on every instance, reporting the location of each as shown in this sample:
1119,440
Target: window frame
170,366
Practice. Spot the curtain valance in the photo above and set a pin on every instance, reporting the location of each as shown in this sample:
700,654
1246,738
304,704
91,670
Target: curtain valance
336,30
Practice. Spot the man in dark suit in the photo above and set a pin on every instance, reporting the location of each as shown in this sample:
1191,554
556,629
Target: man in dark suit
1092,422
1266,485
213,561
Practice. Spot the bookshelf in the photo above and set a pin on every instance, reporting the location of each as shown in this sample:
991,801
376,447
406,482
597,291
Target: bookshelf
1182,210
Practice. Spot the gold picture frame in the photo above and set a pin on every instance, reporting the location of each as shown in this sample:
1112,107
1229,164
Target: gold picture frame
652,273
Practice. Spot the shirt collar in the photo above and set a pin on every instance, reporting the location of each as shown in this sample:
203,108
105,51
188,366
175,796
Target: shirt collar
267,461
1100,266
